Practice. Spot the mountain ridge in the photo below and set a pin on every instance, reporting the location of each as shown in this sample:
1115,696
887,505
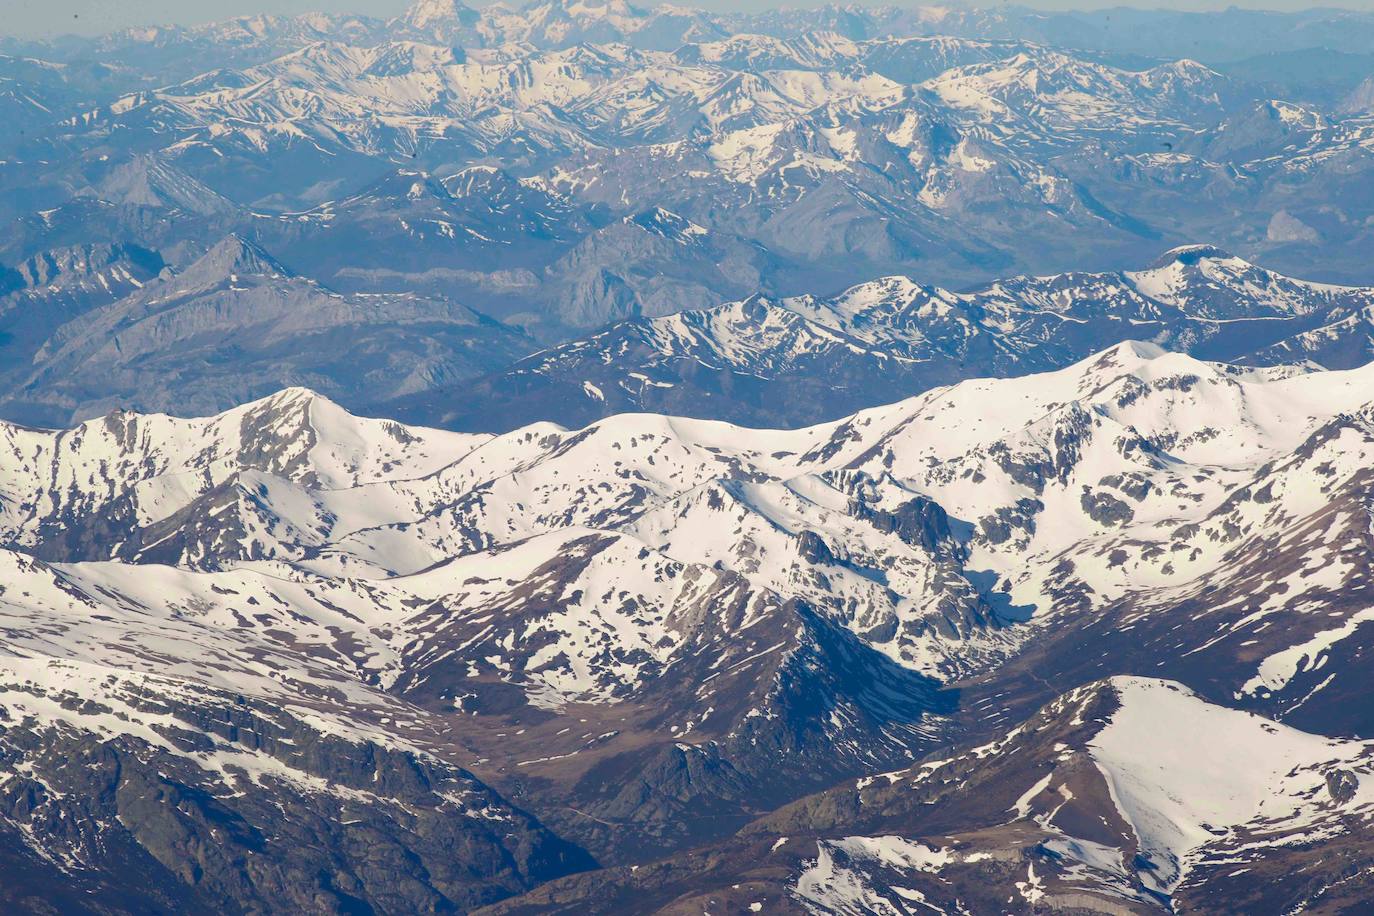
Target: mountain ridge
800,360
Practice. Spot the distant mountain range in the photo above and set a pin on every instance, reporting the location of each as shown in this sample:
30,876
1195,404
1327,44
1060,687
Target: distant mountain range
91,328
813,150
233,325
802,360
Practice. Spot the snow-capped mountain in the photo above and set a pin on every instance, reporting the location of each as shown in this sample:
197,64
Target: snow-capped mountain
592,457
737,616
797,360
219,325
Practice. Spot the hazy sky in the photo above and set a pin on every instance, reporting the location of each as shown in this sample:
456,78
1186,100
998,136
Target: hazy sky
46,17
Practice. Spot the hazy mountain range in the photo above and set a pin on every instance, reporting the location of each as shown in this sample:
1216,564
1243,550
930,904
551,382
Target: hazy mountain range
597,459
805,152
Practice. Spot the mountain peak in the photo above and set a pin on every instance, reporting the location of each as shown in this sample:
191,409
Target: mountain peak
1137,349
1360,100
1188,255
1125,358
292,395
404,183
234,255
1186,66
429,14
149,180
584,7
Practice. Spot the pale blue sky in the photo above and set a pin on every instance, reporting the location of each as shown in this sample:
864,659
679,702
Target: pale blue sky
47,17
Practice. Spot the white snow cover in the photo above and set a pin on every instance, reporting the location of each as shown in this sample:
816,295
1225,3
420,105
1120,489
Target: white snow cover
1182,770
348,498
1190,778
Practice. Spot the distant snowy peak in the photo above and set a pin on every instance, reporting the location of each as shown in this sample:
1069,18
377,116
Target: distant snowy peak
1053,90
435,16
1198,281
803,359
579,77
667,224
556,24
765,52
1206,282
257,30
1189,255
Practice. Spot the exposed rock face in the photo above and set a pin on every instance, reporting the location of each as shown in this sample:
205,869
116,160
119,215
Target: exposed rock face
1067,812
295,821
918,522
235,325
43,292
